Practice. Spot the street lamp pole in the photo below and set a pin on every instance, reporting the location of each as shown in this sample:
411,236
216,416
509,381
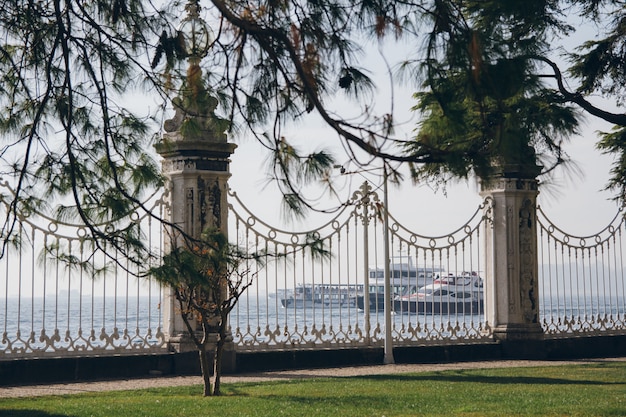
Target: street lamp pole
388,348
388,342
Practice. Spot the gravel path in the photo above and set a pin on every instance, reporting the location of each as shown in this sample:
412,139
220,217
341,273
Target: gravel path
167,381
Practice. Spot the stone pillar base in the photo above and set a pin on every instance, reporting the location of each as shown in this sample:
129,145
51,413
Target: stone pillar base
518,332
181,343
521,341
229,357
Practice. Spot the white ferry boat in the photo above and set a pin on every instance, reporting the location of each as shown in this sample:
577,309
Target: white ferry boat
309,295
451,294
302,296
403,276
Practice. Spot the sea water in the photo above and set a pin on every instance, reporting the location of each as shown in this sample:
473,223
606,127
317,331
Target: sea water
257,319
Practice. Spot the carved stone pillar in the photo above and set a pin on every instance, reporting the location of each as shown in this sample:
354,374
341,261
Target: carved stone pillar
511,275
197,174
196,165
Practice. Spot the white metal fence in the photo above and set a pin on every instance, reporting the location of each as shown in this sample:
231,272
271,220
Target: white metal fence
583,279
301,299
49,308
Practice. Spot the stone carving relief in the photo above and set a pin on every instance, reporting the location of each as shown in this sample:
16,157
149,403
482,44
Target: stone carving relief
194,117
527,235
210,203
510,256
510,184
191,164
189,211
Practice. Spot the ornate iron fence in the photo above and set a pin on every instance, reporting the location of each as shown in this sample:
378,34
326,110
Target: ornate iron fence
319,288
302,299
50,308
583,279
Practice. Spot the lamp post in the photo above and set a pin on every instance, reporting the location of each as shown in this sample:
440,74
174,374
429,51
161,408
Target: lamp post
195,118
196,34
388,342
388,347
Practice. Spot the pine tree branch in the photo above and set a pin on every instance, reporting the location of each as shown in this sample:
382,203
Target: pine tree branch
577,98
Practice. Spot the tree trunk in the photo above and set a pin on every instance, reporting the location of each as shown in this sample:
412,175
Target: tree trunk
219,349
206,371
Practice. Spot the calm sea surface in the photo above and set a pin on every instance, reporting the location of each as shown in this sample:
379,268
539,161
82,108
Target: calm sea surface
251,318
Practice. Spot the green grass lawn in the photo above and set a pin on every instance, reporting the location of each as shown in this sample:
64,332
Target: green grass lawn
581,390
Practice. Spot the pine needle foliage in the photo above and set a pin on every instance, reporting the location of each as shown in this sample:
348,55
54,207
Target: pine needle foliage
484,105
208,278
70,146
484,75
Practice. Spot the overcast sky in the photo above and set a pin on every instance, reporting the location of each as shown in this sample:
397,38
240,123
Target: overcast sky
574,199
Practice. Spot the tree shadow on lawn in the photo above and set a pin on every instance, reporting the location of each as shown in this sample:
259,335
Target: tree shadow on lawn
465,376
29,413
381,401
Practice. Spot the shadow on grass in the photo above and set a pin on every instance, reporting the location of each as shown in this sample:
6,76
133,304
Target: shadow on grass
234,390
464,377
370,402
29,413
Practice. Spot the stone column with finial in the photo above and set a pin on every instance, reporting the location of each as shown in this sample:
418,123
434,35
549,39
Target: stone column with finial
195,162
511,270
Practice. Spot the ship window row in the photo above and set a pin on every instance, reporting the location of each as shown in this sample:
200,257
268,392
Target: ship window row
399,274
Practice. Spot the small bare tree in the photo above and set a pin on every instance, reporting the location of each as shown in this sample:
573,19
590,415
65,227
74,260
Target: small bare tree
208,278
